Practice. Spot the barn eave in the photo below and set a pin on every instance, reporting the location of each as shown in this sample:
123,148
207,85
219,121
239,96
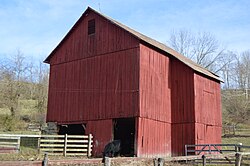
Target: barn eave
143,39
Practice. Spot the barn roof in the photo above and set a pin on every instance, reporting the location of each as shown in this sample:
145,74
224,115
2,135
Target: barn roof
145,39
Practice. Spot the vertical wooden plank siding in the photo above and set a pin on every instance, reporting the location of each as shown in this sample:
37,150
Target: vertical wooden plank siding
154,125
208,115
182,134
154,85
182,102
108,38
102,134
207,101
182,93
93,77
207,134
108,88
153,138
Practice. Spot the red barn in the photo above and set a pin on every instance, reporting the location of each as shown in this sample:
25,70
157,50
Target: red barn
111,81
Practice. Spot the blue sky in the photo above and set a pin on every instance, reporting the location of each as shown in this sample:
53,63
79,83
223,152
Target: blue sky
35,27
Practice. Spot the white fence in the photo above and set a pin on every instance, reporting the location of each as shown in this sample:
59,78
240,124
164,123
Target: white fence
9,144
67,145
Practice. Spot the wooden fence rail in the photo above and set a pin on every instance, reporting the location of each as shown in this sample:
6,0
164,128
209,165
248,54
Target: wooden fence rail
67,145
9,144
214,148
218,153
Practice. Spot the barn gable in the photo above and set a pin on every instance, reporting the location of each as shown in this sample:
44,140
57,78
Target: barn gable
144,39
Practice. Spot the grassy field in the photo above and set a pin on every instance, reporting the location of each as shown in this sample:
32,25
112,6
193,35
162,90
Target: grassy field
242,135
27,113
26,107
236,140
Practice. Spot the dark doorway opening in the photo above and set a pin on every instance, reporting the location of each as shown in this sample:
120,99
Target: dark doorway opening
72,129
124,130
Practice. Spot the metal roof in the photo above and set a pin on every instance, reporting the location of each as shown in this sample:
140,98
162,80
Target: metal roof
147,40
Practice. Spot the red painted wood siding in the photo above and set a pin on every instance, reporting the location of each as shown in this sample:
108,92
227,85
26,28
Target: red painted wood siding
208,115
95,88
182,93
182,134
206,134
94,77
108,38
207,101
182,101
154,124
154,85
153,138
102,131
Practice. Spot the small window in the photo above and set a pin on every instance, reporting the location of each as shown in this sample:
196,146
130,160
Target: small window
91,27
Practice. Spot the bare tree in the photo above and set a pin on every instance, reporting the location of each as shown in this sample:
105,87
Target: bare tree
13,72
202,48
42,87
236,101
237,107
182,41
242,72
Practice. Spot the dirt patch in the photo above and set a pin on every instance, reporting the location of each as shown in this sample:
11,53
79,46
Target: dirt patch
66,161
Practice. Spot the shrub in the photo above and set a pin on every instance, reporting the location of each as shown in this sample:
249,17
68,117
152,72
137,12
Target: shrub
8,122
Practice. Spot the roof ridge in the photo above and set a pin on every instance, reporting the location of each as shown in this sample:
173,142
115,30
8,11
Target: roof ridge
149,41
162,47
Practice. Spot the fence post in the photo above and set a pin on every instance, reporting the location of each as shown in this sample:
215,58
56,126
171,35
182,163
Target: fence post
160,161
203,160
65,145
38,144
233,129
236,148
238,157
45,160
106,161
209,148
89,145
239,147
185,150
155,161
18,143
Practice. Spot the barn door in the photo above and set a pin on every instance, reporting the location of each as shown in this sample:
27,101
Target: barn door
124,130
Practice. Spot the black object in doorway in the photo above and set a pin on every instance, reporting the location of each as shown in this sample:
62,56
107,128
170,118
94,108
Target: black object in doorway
124,130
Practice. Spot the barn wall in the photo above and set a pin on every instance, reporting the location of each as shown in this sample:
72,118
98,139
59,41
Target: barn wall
182,102
102,134
108,38
153,138
100,87
208,116
94,76
182,93
182,134
154,85
207,134
207,101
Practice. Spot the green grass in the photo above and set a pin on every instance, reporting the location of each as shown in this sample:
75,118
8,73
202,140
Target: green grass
28,113
26,107
4,111
242,135
236,140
